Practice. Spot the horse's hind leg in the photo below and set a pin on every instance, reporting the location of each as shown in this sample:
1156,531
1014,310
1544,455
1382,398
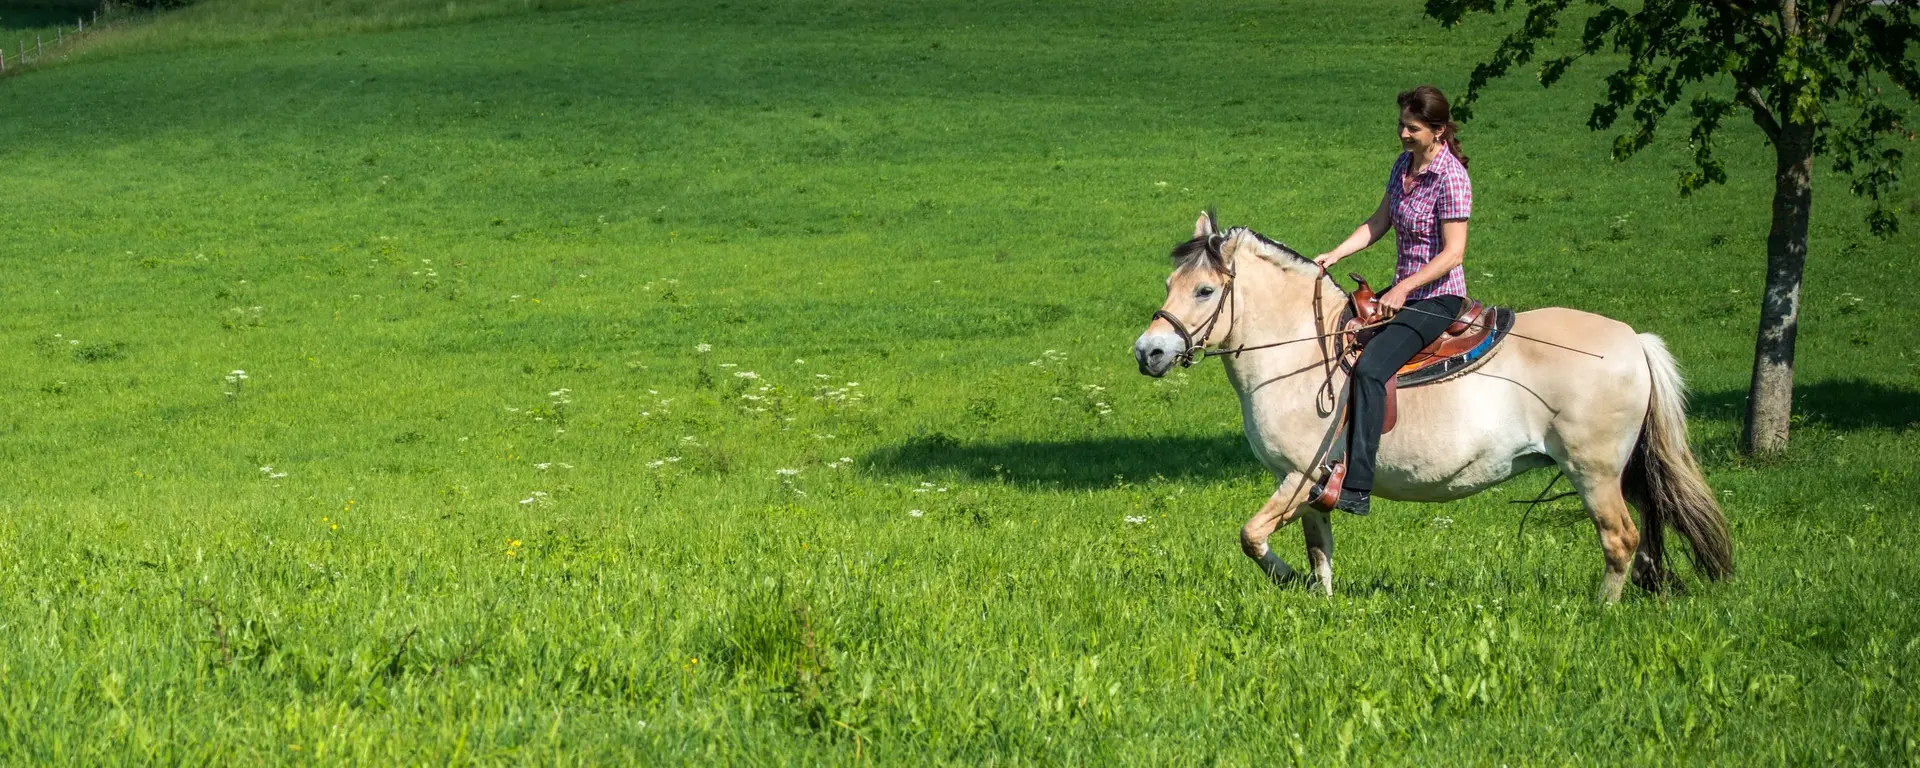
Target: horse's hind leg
1318,528
1279,510
1619,539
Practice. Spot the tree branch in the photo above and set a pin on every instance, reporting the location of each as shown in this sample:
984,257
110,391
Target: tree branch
1790,17
1834,13
1761,115
1736,12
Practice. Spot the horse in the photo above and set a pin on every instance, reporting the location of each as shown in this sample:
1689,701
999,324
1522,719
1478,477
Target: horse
1569,389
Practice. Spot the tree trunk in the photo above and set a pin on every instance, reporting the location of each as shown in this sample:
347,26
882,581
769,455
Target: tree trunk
1770,394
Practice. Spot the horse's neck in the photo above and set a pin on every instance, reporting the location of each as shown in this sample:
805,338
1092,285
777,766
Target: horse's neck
1277,305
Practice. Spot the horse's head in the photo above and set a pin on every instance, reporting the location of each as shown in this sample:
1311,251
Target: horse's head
1198,311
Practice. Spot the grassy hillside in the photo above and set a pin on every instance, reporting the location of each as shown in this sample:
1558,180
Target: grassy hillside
682,382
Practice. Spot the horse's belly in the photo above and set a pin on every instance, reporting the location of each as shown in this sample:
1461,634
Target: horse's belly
1429,484
1452,452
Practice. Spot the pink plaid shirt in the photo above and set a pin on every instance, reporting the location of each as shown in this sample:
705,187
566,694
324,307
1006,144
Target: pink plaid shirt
1440,193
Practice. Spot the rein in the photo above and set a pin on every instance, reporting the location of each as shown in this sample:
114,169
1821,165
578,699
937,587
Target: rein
1194,347
1195,350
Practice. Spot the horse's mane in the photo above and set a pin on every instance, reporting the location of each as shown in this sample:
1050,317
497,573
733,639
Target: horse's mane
1208,247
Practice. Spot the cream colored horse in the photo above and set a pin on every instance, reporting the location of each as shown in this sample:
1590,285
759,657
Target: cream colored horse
1615,423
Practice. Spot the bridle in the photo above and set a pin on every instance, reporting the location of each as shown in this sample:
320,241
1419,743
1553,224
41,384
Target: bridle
1193,346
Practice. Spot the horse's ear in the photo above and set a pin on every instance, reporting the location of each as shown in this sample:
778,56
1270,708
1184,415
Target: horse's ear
1203,226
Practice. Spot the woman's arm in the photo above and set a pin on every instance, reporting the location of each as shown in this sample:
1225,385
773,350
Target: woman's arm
1454,234
1368,233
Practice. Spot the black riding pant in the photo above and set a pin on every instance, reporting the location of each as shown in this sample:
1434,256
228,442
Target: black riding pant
1417,325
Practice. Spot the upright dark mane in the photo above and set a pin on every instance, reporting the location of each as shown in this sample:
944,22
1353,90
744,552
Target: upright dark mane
1209,248
1277,245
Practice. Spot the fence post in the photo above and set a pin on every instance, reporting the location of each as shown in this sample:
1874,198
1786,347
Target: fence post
3,60
39,46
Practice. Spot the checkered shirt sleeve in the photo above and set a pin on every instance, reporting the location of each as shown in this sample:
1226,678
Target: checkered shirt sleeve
1455,200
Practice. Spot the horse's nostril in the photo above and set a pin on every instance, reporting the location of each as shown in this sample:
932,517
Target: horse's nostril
1156,353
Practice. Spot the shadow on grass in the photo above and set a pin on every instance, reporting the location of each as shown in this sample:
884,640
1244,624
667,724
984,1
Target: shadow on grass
1846,404
1074,463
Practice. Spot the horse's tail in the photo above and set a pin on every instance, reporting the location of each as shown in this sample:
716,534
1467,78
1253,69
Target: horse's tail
1663,479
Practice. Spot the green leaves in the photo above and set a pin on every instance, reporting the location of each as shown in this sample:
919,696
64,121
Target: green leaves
1789,66
1708,110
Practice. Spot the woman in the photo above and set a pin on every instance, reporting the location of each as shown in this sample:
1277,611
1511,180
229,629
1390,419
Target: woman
1427,202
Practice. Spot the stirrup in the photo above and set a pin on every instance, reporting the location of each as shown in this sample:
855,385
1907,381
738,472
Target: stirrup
1326,493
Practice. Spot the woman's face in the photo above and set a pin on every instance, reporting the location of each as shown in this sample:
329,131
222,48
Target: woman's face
1415,136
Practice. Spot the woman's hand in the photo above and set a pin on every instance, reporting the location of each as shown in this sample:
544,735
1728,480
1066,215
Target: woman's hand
1392,301
1326,261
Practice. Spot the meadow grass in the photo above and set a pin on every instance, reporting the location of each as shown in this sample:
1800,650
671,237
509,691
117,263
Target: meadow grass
749,382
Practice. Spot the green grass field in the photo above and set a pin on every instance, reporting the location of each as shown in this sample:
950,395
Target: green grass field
481,497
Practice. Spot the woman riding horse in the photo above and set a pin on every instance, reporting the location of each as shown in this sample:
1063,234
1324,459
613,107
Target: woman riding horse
1427,202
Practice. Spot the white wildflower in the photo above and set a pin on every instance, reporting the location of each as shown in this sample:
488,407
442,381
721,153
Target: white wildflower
917,512
786,472
703,347
746,374
1136,519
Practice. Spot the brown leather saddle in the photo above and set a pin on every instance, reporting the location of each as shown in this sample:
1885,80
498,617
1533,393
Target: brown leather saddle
1467,343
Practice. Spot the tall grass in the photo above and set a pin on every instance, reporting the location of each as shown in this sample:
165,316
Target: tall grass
497,485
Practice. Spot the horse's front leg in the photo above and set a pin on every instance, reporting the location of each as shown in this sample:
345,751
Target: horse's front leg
1318,528
1279,510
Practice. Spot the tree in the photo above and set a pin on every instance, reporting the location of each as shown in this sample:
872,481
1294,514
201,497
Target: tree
1813,75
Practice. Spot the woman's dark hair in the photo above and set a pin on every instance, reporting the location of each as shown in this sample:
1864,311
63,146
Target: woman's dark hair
1428,105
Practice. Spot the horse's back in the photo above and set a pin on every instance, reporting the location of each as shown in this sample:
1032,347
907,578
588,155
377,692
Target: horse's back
1563,377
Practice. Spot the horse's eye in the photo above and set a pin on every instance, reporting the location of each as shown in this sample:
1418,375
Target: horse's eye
1205,291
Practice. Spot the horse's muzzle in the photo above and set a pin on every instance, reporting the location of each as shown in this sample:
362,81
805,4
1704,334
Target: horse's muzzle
1156,353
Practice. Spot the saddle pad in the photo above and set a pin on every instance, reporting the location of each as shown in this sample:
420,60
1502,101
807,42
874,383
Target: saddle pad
1500,319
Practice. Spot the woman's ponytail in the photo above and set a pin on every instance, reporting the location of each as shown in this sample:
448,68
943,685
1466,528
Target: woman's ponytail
1453,143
